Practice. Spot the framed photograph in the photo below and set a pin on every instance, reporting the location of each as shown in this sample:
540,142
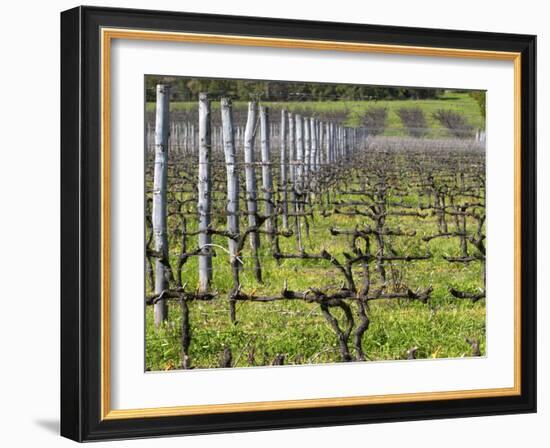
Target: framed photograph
271,223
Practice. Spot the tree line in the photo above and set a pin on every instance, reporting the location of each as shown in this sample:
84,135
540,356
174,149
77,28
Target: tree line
246,90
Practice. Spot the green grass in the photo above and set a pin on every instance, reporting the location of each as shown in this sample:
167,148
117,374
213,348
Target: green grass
298,329
353,110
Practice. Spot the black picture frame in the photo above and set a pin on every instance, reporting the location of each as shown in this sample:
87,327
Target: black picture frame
81,224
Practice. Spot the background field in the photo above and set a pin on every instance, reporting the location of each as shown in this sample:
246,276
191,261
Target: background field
352,112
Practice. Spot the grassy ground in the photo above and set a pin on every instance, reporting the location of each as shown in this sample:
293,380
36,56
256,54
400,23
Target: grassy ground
353,110
299,331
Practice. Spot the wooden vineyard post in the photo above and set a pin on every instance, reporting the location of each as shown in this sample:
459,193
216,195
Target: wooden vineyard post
174,139
283,176
338,143
267,179
159,198
291,149
335,148
328,158
251,189
299,151
292,172
345,142
307,148
232,197
313,154
320,145
204,193
298,177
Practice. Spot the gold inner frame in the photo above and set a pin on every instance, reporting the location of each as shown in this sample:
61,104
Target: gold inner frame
107,35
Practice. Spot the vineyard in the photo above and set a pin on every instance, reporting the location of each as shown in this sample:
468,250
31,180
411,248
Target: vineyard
276,237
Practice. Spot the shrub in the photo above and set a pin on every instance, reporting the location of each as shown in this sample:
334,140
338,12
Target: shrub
375,120
479,97
455,122
414,121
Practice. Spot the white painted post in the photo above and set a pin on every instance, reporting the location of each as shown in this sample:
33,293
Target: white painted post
298,181
159,197
267,178
232,176
251,189
307,147
313,154
283,176
334,134
291,149
228,141
299,151
321,145
204,193
327,142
